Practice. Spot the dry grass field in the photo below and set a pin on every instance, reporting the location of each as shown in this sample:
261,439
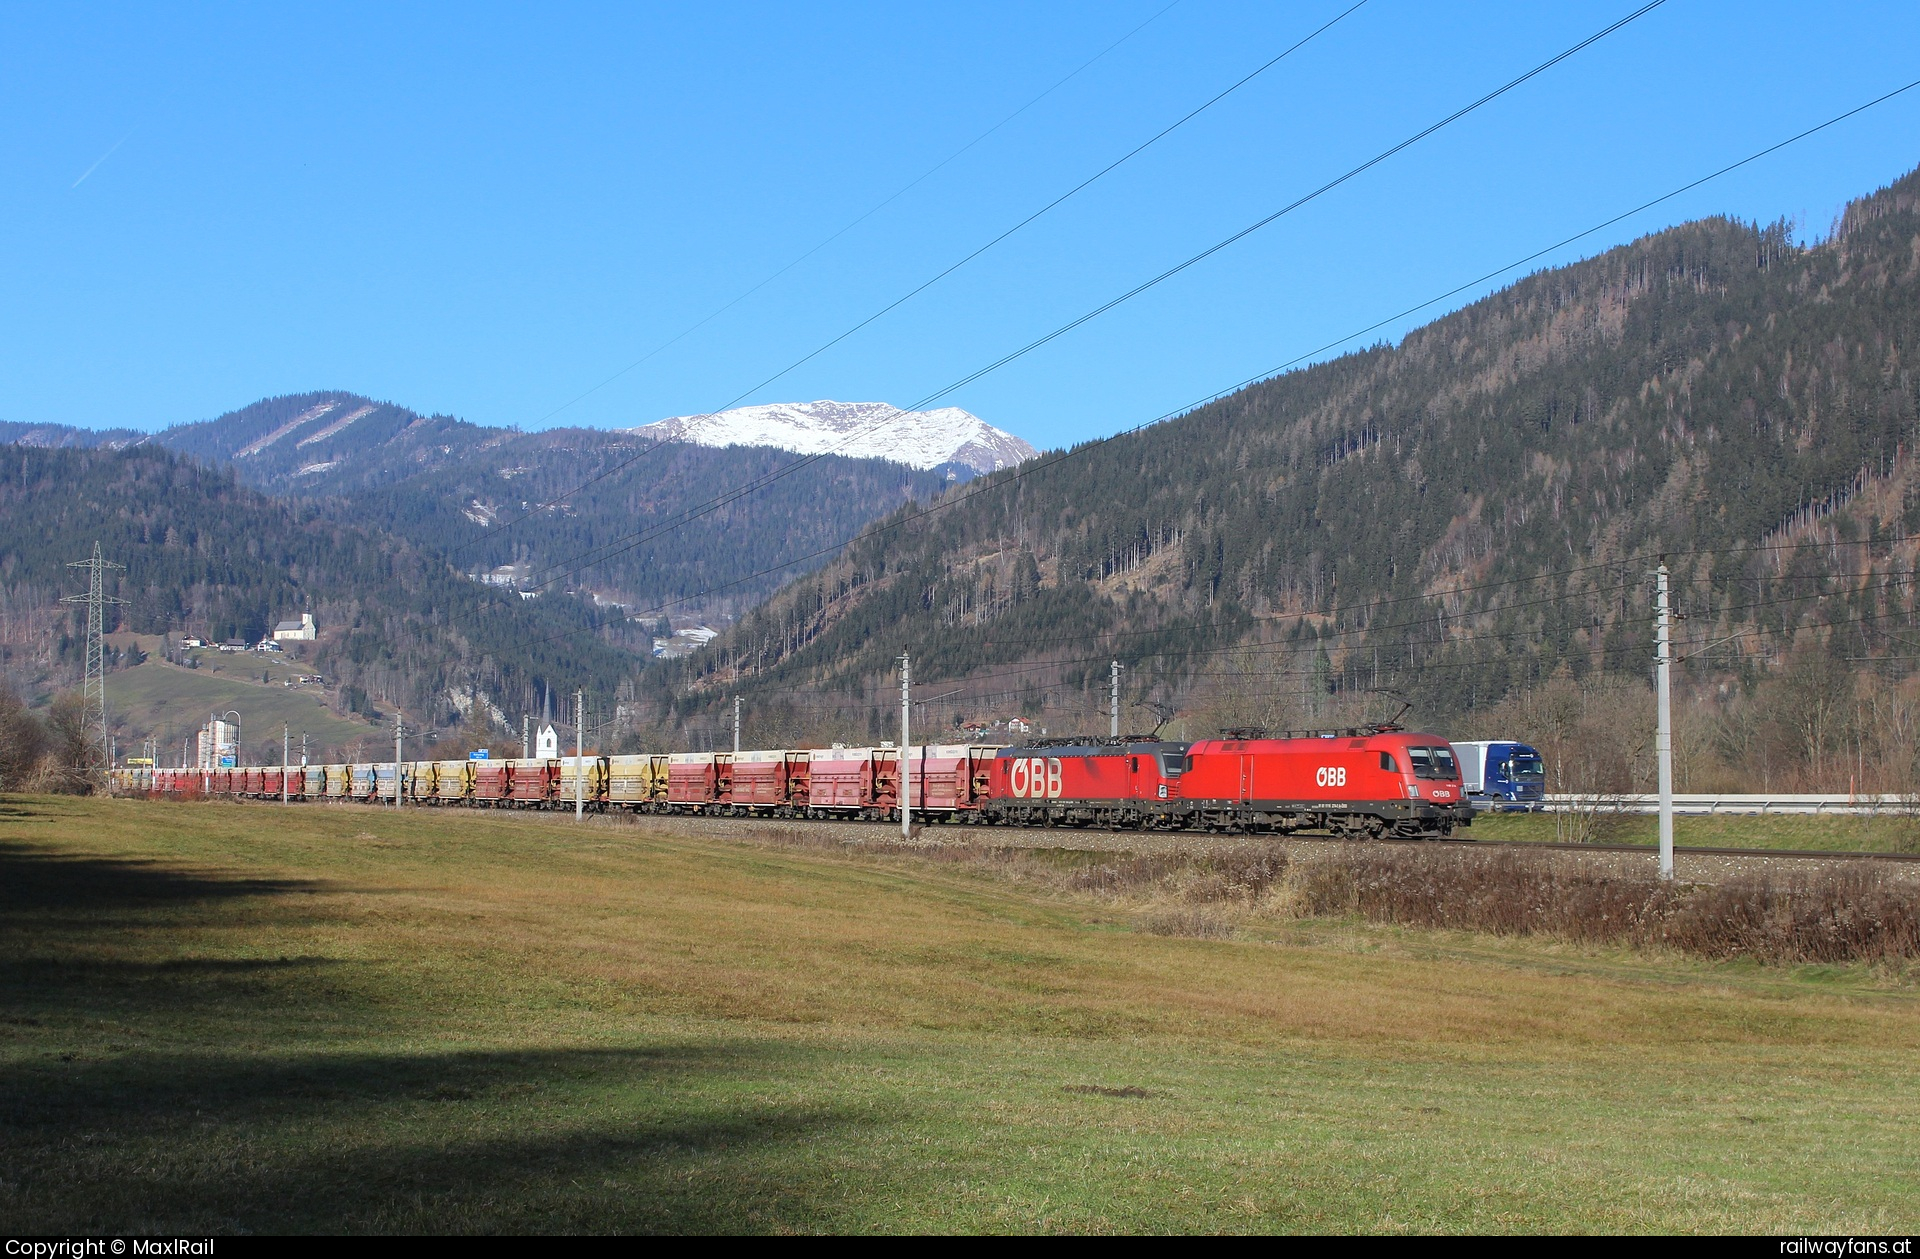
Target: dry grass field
229,1017
1804,832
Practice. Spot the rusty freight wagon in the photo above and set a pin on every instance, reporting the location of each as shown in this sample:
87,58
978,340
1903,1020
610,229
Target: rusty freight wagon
853,782
530,783
951,782
773,782
699,782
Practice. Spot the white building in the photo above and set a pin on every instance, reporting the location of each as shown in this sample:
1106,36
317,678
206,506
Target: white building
546,744
300,631
218,745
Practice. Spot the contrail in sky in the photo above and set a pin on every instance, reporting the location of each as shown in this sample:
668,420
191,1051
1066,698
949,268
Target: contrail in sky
96,162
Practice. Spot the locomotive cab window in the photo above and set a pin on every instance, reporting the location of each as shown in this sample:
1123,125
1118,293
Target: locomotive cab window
1173,764
1388,763
1443,766
1133,764
1422,761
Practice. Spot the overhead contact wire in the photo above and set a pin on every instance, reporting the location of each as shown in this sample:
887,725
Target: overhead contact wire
589,557
1075,190
902,191
1046,463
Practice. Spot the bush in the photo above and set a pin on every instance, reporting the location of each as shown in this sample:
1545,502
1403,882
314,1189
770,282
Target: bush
1847,912
1844,911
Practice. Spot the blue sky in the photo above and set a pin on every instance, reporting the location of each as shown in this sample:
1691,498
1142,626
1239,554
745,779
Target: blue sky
489,211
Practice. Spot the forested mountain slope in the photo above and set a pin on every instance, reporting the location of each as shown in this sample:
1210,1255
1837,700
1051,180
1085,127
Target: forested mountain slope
597,539
1449,519
443,484
398,625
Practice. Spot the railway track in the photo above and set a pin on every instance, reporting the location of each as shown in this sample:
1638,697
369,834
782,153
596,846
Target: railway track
1647,850
984,832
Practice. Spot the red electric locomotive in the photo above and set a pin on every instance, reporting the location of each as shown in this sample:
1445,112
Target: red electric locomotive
1133,780
1372,781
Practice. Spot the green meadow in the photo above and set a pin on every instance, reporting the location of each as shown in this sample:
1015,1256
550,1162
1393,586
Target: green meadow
218,1018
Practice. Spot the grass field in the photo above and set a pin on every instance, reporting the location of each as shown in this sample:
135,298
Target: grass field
231,1017
1784,831
157,696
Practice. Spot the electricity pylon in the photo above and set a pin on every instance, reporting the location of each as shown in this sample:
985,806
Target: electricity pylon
93,687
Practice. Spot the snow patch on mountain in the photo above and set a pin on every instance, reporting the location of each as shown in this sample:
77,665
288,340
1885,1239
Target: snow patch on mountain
336,426
859,430
311,413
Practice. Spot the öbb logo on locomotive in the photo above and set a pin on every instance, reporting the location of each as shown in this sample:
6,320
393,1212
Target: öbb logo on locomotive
1330,776
1035,777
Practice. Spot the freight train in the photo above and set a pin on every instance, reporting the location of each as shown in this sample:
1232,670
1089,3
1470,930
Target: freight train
1369,782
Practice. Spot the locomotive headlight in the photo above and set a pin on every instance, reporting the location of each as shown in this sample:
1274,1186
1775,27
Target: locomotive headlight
1413,791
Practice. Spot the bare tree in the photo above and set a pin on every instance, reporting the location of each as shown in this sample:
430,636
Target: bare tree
72,764
23,742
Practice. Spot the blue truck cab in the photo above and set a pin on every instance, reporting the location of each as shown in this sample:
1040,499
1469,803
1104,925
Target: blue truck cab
1502,775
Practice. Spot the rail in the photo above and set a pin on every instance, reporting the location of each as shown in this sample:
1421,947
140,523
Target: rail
1842,804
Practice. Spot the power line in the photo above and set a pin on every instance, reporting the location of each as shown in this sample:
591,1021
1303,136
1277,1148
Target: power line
929,283
1256,649
878,206
1369,630
93,685
789,469
1428,669
1046,463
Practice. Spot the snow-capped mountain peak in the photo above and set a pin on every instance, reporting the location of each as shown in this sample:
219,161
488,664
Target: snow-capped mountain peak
859,430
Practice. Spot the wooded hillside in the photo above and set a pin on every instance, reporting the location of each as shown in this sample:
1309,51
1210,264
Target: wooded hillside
398,626
1455,519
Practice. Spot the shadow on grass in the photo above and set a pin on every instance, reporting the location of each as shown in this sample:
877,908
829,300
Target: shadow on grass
147,1093
35,880
66,922
662,1139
